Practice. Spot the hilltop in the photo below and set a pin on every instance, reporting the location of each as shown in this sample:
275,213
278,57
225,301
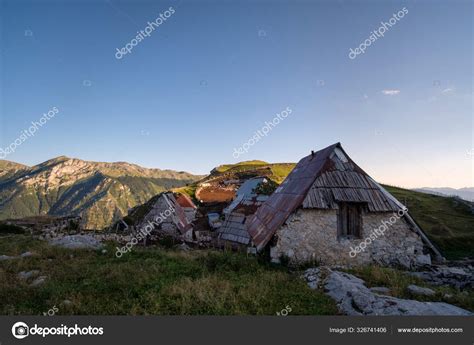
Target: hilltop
220,185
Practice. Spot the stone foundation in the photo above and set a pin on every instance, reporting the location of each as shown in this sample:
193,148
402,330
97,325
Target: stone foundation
311,235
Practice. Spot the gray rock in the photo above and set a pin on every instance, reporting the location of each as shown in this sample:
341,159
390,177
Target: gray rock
354,298
66,303
184,247
454,272
460,278
380,290
24,275
6,257
38,281
26,254
423,260
404,261
77,242
420,291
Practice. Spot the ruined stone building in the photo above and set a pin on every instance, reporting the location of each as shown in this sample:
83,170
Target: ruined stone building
166,216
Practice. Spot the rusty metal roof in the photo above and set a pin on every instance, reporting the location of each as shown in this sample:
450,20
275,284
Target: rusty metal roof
320,180
184,201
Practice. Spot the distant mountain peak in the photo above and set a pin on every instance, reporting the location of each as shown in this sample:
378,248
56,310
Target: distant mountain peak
97,191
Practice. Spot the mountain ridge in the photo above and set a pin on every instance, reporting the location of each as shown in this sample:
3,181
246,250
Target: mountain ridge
98,191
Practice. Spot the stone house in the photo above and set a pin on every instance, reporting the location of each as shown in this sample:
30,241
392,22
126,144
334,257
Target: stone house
330,211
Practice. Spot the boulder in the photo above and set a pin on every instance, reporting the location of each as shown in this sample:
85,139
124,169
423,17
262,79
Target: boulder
354,298
458,277
38,281
66,303
423,260
420,291
24,275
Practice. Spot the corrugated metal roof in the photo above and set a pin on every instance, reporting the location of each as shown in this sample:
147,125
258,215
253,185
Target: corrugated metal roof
319,180
234,229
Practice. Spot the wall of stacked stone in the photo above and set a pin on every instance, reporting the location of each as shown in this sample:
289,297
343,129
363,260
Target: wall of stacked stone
311,235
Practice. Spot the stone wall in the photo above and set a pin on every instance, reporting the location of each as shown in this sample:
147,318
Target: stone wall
311,235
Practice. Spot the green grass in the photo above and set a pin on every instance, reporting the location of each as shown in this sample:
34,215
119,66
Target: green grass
151,281
253,164
397,281
448,222
189,190
281,171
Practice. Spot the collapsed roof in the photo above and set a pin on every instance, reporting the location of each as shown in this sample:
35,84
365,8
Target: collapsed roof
244,205
166,208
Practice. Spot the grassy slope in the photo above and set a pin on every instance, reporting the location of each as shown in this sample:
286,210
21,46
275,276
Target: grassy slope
447,221
252,164
165,282
169,282
278,172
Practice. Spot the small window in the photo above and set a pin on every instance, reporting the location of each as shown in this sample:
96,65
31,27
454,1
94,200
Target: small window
349,222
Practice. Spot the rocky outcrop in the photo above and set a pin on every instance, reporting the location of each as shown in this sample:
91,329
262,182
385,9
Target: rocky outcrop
25,275
354,298
458,277
77,242
23,255
420,291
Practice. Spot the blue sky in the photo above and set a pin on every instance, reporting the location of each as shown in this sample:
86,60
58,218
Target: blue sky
211,75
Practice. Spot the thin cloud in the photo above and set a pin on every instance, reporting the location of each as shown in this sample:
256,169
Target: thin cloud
448,90
391,92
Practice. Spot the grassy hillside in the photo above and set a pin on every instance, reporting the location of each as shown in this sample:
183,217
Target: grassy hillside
448,221
248,164
165,282
277,171
172,282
